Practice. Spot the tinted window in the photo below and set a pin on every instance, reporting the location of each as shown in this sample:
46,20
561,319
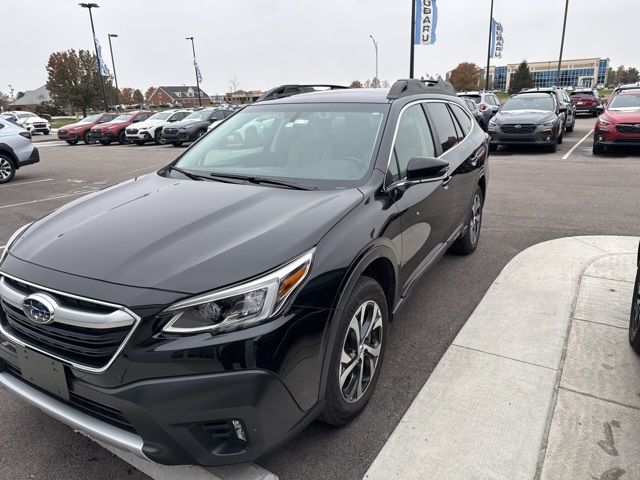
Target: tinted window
529,102
471,104
475,98
413,139
463,119
443,124
217,115
489,99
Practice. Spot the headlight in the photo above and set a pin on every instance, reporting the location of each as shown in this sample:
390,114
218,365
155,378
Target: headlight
603,122
241,306
550,123
12,240
493,123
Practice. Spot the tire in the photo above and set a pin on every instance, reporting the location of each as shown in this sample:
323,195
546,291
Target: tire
467,244
105,142
634,320
140,142
343,399
122,138
561,138
493,147
86,138
72,142
157,137
553,148
176,144
46,132
573,124
200,133
7,169
597,149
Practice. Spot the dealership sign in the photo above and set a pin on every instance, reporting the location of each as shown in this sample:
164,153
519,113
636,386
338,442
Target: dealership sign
424,29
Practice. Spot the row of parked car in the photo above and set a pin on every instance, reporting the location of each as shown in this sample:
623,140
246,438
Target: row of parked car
141,126
32,122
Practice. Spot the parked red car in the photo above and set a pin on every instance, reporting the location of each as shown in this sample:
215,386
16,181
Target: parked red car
587,100
75,132
115,129
620,122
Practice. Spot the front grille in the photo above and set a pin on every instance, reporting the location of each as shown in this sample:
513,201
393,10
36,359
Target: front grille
40,125
132,131
90,407
627,128
513,129
170,131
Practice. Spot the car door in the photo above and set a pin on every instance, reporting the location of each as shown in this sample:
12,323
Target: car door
423,206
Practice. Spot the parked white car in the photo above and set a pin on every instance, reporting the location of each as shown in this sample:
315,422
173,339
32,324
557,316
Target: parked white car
29,121
150,130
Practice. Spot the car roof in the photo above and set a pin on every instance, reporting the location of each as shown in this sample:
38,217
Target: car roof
347,95
629,91
529,94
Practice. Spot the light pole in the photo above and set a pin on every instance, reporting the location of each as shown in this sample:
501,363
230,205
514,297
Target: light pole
95,45
375,45
564,28
193,47
115,75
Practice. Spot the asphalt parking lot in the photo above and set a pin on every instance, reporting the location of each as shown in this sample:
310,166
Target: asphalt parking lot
532,197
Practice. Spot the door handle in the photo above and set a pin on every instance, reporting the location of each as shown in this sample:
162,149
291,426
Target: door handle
446,181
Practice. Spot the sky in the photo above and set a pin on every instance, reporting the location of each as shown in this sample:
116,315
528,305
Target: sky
264,43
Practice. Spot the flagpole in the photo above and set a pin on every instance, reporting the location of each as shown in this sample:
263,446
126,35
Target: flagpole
193,47
564,27
413,26
89,6
486,81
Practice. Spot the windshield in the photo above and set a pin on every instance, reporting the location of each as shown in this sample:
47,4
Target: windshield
25,115
122,118
624,101
529,102
90,119
160,116
199,115
319,145
582,95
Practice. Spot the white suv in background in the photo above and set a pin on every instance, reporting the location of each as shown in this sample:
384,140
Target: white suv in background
29,121
150,130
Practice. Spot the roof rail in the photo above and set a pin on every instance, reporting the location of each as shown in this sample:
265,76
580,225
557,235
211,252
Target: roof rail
284,91
413,86
627,86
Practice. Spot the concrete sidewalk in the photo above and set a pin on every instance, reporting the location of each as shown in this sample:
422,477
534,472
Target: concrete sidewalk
539,383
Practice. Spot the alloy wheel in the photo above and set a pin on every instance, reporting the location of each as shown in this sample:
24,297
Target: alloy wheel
5,169
476,218
360,351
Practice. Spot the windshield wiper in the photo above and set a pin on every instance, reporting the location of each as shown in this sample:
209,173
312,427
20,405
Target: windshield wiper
263,180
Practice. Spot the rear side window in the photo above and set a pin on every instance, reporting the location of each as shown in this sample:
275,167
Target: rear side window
413,139
443,124
471,104
476,98
463,119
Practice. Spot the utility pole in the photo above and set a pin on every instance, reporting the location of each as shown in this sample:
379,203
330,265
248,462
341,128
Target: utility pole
193,47
375,45
95,45
115,75
486,79
564,28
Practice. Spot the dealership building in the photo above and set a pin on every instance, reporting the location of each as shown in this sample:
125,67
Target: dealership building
582,72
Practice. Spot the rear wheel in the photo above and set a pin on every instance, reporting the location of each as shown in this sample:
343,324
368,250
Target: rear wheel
357,354
560,138
597,149
157,137
86,138
634,321
469,241
7,169
573,124
122,138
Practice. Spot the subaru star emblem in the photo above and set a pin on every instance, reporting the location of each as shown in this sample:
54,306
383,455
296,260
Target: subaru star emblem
518,126
637,125
39,308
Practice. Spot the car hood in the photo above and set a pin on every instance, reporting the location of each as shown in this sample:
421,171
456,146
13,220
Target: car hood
182,235
73,126
622,116
149,123
188,123
108,125
30,120
512,117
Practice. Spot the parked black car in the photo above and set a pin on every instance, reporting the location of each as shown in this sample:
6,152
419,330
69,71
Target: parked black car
634,321
205,313
528,119
475,111
567,108
194,125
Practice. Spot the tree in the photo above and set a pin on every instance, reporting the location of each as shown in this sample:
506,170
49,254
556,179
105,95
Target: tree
356,84
19,95
4,100
630,75
617,78
611,75
126,96
148,93
466,76
73,80
375,82
234,84
385,84
521,78
137,96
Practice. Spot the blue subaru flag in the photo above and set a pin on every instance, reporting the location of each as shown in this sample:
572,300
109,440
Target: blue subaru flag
424,30
198,74
497,42
104,69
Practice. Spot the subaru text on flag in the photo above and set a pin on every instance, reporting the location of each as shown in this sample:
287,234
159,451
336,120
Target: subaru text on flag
207,312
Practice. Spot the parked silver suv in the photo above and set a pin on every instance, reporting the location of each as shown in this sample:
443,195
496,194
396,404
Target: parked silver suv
16,149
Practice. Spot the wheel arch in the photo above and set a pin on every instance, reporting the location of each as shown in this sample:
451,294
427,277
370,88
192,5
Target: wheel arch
8,151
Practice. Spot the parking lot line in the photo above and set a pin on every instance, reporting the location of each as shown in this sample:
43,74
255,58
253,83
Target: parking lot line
577,145
25,183
44,199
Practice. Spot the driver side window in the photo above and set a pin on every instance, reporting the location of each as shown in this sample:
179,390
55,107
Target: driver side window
413,139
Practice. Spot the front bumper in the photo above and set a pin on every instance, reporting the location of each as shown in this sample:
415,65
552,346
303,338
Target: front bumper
178,136
610,137
538,137
139,135
103,135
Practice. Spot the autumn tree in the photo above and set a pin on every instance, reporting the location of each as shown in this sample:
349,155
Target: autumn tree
630,75
126,96
137,96
466,76
4,100
148,93
356,84
619,74
19,95
521,78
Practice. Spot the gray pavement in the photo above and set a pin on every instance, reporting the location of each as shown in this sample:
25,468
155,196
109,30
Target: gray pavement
533,197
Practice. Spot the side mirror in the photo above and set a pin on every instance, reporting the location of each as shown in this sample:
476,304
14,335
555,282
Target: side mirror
426,168
562,108
495,108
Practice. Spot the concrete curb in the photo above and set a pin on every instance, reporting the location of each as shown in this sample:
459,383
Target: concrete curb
486,410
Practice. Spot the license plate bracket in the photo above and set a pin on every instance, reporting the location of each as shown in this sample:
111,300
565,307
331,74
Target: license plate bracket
43,372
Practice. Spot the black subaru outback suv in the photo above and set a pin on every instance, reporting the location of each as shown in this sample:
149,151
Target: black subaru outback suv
206,312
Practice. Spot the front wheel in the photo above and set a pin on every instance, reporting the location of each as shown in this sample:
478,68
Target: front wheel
72,142
158,137
634,321
357,354
493,147
7,169
122,138
46,132
86,138
466,244
597,149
